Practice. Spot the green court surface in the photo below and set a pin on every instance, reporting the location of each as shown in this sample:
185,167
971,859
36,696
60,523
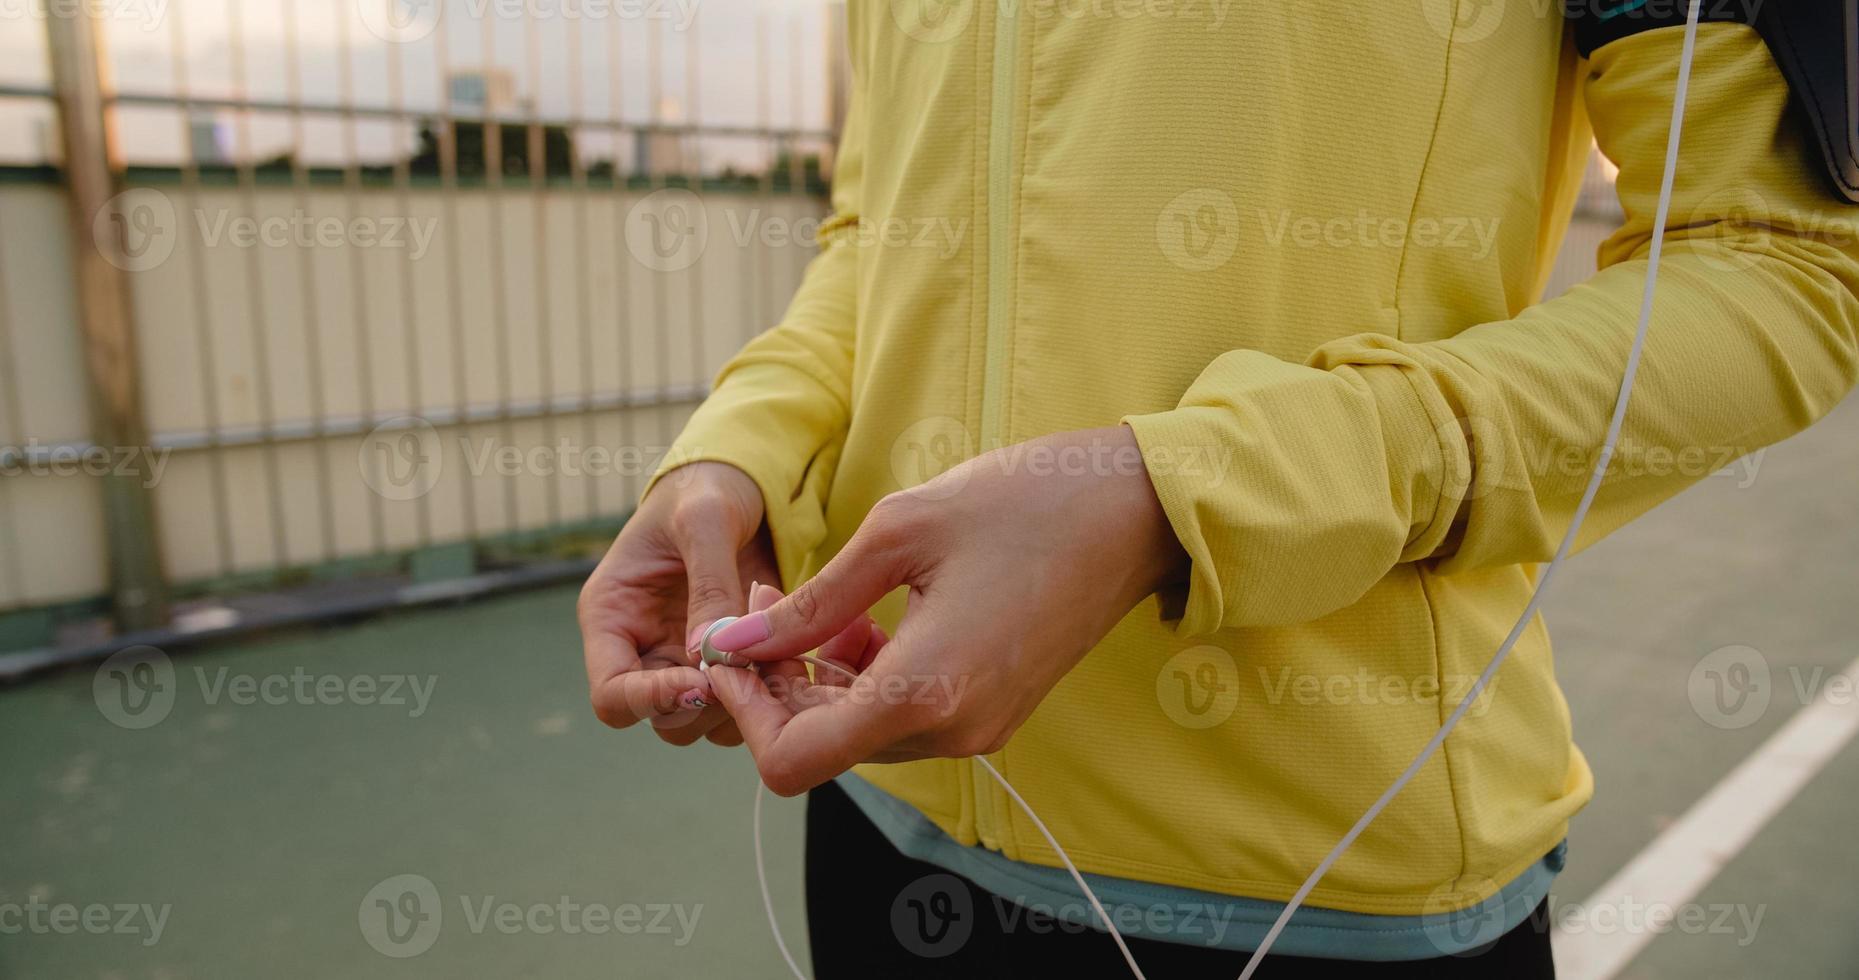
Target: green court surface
262,828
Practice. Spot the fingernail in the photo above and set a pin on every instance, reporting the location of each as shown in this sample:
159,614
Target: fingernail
693,699
747,631
763,596
694,640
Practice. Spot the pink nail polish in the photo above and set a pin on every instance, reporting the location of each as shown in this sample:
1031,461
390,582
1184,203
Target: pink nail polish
695,638
747,631
693,700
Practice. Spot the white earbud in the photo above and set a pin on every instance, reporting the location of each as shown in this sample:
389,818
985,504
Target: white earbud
711,655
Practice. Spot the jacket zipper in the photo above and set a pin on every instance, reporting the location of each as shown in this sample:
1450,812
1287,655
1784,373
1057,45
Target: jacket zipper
1000,220
1000,297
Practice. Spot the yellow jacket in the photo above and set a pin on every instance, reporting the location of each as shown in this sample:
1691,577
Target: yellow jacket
1298,247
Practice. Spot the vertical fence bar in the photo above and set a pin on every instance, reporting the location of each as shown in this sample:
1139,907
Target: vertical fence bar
358,271
409,300
657,179
539,224
623,278
205,345
257,320
700,368
797,169
306,274
447,132
500,313
139,593
10,401
755,305
584,330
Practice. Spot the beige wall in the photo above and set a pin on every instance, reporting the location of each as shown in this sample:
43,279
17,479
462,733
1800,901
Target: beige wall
398,334
51,531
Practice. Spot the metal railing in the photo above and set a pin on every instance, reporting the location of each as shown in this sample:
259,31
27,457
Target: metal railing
300,395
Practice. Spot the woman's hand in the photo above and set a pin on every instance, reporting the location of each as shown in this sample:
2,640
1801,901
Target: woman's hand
685,559
1018,561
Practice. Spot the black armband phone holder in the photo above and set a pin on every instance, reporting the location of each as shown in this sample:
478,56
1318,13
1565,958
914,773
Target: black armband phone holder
1814,42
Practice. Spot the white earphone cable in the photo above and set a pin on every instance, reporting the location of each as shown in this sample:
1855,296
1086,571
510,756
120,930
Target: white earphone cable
1568,539
1089,895
761,875
768,902
1608,445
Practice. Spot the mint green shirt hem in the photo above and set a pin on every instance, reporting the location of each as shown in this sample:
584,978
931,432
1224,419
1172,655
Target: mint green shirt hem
1201,918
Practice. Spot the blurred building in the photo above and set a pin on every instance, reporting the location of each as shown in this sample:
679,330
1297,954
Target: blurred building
485,91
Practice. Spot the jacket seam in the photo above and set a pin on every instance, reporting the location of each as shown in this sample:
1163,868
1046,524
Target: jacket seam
1420,179
1009,825
1445,748
968,808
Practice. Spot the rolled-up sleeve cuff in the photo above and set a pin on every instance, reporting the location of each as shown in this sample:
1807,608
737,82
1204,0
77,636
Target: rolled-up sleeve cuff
1322,477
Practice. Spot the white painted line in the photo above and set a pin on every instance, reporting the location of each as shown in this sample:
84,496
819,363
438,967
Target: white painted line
1676,866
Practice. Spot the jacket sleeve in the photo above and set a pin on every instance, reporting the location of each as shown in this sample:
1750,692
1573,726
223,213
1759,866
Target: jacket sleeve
1473,451
780,407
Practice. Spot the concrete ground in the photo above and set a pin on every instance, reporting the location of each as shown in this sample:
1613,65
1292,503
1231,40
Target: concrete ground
263,830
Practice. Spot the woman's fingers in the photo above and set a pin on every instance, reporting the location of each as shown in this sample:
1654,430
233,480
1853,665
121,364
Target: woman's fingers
726,735
713,721
875,641
606,649
789,759
763,595
785,678
687,726
712,583
881,556
799,743
853,650
626,698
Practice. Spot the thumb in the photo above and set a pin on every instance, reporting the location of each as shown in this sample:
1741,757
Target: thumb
871,565
712,582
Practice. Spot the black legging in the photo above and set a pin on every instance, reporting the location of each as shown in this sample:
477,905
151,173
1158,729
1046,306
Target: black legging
855,878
